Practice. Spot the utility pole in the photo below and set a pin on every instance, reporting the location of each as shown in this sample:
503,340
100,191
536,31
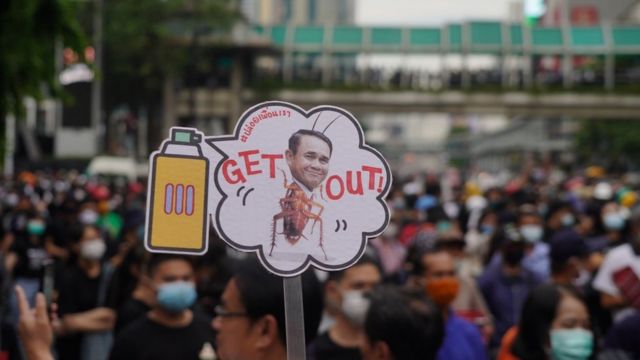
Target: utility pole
96,85
9,144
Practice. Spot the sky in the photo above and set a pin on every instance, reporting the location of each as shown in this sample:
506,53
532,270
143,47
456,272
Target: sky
427,13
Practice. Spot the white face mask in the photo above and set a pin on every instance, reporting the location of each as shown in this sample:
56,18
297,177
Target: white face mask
355,306
93,249
531,233
88,217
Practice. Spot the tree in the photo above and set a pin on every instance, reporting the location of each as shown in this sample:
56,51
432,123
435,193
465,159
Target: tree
141,50
29,31
610,143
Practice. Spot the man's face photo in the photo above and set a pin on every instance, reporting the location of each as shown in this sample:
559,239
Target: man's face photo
309,164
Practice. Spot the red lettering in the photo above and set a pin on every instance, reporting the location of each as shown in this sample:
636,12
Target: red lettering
330,194
372,177
235,176
272,163
247,163
358,189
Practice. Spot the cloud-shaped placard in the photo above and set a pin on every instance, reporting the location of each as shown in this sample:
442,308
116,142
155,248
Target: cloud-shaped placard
299,188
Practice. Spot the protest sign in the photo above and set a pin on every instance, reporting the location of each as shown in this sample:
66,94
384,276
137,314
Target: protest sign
299,188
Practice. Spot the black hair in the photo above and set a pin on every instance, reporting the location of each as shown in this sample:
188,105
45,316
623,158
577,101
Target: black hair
77,231
158,259
558,205
538,313
294,140
527,211
417,265
366,259
262,293
410,325
558,266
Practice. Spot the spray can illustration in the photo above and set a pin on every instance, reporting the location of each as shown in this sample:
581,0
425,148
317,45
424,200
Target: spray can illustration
178,195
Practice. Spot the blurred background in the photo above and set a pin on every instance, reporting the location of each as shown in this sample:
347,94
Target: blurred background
435,84
512,128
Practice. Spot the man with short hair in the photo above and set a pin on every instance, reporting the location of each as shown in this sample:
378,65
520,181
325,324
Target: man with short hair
250,321
506,287
346,294
401,325
308,158
531,229
170,330
462,339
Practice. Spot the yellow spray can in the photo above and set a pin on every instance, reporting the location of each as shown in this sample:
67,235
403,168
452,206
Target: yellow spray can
178,196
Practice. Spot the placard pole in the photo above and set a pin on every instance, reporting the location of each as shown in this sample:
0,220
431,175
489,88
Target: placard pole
294,318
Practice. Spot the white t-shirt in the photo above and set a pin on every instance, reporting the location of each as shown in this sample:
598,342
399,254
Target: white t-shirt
618,258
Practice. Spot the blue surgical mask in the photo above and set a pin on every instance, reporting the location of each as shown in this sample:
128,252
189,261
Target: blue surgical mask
486,229
567,220
571,344
176,296
531,233
613,221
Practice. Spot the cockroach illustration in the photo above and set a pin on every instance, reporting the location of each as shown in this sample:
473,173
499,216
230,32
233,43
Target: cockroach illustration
297,210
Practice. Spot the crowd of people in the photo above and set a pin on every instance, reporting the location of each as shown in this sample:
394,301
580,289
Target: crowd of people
542,264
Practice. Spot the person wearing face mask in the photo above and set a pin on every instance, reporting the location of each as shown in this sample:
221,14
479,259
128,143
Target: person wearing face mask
468,303
506,287
462,340
478,242
571,266
560,216
554,325
569,257
536,257
618,278
346,297
613,225
88,214
29,253
86,321
170,330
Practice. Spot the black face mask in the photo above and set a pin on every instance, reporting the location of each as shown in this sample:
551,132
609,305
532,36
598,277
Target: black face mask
513,257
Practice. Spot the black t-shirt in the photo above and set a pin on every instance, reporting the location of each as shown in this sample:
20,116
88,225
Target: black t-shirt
326,349
130,311
77,293
145,339
31,256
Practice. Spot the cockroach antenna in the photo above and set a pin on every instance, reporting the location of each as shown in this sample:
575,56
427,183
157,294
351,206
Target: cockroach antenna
316,121
334,120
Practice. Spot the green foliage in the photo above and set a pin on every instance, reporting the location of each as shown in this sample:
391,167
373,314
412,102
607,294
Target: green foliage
612,143
29,30
142,42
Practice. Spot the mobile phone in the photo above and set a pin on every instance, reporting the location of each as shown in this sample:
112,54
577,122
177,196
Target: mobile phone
47,280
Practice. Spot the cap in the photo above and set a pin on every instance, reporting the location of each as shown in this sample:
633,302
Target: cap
567,244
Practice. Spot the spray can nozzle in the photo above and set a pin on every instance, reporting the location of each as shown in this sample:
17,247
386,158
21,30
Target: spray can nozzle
187,137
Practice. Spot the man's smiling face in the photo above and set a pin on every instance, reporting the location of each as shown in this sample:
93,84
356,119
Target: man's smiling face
310,164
